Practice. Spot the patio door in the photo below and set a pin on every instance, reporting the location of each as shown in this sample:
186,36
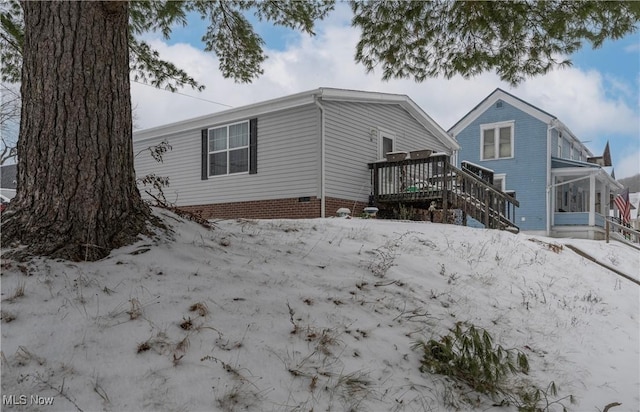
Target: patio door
388,179
387,143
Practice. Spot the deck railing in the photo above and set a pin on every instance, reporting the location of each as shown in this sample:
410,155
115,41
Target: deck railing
410,179
614,228
483,173
482,201
420,181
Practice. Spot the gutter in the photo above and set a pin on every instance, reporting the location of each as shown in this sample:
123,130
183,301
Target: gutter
322,157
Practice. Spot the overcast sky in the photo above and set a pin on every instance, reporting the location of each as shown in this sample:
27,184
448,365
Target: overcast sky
597,98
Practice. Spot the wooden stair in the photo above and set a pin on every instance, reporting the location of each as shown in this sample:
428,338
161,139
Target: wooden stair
420,181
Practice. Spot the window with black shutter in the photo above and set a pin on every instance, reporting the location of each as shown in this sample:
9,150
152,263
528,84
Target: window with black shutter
230,149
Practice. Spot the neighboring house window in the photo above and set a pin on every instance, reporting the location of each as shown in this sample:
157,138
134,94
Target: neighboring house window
496,141
500,181
230,149
560,145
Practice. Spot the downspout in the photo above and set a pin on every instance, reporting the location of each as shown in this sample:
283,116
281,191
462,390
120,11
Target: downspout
322,158
551,126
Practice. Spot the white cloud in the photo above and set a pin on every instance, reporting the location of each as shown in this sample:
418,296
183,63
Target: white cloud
632,48
593,106
628,165
580,99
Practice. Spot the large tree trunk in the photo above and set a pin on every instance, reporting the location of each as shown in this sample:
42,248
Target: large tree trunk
77,197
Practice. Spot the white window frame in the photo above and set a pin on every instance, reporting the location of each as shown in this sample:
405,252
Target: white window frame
560,145
227,150
572,153
382,134
496,128
503,180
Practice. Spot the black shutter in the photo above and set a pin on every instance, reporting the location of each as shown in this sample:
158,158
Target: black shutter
205,154
253,146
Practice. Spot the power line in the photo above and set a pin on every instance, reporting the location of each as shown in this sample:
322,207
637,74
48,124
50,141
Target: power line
183,94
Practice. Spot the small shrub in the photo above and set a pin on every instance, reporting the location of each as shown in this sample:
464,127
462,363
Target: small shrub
470,356
540,400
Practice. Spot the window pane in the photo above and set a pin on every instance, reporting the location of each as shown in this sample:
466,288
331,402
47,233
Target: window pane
217,139
239,135
505,142
238,160
489,147
217,164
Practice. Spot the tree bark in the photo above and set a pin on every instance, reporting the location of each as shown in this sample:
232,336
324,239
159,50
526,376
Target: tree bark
77,197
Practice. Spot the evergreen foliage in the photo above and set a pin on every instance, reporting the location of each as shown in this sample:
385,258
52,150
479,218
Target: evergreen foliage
517,39
229,35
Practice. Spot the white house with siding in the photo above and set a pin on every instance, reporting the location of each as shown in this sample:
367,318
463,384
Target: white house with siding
298,156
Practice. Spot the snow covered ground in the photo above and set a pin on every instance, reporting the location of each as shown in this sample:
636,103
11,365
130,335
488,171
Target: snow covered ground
322,315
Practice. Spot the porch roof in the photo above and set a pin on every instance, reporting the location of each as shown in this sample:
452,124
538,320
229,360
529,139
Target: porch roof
558,163
574,168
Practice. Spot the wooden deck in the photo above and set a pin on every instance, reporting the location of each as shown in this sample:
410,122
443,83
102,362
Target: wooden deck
418,182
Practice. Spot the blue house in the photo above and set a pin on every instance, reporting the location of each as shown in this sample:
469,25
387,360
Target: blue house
563,189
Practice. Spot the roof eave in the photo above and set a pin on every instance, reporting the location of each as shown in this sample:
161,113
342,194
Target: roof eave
499,94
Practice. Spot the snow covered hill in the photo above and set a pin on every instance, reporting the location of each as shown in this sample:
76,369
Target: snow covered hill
322,315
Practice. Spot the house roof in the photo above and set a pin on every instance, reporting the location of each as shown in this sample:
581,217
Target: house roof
536,112
9,176
604,160
301,99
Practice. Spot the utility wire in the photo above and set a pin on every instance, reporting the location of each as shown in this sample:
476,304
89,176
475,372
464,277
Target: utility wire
184,94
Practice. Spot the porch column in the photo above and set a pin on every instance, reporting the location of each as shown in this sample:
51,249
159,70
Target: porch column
606,194
554,202
592,200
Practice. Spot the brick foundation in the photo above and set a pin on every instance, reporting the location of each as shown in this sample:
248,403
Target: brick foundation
293,208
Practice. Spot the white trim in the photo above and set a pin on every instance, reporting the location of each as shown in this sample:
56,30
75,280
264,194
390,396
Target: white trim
592,200
572,137
226,116
228,149
382,134
503,179
531,110
323,200
490,101
301,99
496,128
550,199
560,141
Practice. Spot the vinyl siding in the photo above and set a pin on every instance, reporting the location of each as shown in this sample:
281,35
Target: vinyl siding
350,144
288,162
526,171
